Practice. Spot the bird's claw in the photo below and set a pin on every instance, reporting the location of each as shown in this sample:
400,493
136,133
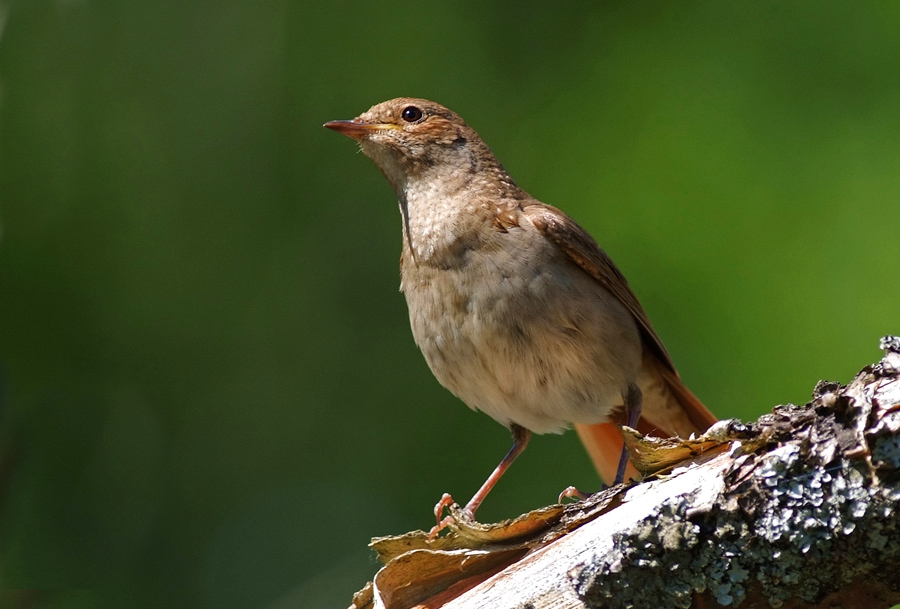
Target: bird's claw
440,526
445,502
442,522
572,493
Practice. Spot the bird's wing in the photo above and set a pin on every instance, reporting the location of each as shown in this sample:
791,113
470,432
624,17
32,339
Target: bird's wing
669,406
584,251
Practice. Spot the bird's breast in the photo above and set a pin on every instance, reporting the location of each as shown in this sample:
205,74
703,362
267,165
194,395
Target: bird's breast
512,327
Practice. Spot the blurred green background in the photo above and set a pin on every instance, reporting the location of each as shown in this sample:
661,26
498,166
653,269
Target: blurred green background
210,394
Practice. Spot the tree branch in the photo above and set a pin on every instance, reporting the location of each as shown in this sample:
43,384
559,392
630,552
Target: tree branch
796,510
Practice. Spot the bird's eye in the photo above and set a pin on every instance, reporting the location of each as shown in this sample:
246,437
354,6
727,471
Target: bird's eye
411,114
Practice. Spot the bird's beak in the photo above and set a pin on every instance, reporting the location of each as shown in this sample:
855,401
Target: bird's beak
355,128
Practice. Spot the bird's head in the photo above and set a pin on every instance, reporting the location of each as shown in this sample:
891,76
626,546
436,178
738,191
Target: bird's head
407,137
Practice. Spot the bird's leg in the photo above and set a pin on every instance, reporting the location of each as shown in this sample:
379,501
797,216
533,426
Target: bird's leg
633,401
521,436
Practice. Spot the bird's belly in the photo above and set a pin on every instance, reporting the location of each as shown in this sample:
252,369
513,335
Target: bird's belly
539,348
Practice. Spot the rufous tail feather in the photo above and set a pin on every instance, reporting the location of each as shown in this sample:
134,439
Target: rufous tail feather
670,409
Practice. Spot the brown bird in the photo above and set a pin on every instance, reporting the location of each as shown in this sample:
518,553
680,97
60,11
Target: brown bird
515,307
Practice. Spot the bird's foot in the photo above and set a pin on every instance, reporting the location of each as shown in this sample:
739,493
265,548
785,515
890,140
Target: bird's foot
572,493
444,521
445,502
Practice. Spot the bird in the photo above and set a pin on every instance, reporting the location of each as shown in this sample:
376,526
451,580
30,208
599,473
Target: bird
515,307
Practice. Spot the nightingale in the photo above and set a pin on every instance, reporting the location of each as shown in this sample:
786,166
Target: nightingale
515,307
